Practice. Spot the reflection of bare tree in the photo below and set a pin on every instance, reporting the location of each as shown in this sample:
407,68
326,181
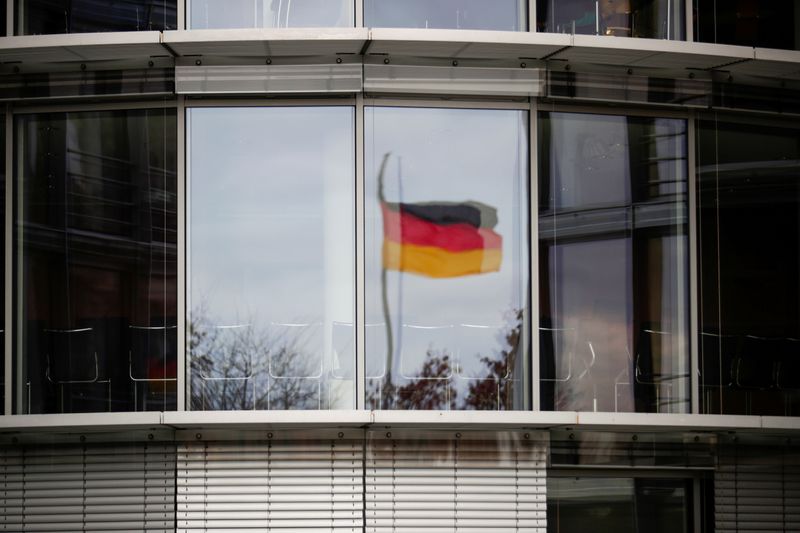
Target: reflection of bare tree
432,389
496,389
435,387
246,367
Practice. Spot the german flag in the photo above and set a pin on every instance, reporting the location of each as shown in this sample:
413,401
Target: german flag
441,239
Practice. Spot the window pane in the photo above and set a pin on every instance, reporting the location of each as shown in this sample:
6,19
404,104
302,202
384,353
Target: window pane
447,258
508,15
271,258
635,505
96,262
770,24
3,267
269,13
613,263
88,16
656,19
749,224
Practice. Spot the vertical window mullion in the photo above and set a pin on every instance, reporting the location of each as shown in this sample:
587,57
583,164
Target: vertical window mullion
694,317
533,239
8,278
182,250
360,255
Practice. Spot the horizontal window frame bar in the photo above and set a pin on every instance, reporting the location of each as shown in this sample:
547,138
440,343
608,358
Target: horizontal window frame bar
641,422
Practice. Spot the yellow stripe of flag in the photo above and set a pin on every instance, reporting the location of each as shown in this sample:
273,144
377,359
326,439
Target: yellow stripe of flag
439,263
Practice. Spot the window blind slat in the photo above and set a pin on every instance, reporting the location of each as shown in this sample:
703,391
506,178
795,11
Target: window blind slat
88,488
280,486
455,484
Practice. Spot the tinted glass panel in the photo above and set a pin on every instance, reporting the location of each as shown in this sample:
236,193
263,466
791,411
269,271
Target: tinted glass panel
447,255
3,241
86,16
96,262
657,19
770,24
271,258
269,13
613,263
635,505
749,224
506,15
131,82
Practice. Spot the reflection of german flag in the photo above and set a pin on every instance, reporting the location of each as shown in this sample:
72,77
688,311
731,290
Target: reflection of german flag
442,239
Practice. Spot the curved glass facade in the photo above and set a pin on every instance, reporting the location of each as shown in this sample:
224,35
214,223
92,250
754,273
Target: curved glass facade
374,265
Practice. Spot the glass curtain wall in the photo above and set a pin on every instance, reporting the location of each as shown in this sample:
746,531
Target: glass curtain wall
655,19
446,258
749,237
3,268
613,290
271,248
507,15
772,24
36,17
95,261
269,13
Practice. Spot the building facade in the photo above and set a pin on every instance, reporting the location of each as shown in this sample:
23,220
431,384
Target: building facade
400,265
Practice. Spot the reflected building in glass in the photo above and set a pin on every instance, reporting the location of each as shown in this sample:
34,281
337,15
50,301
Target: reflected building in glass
400,265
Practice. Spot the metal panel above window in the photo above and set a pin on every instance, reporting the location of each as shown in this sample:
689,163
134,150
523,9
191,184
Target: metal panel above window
462,80
74,84
269,79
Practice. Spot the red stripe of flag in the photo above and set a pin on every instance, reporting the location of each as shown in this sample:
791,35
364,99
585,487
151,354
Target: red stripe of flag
405,228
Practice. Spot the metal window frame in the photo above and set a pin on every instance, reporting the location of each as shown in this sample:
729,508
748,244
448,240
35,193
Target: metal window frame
8,279
530,374
359,101
13,304
532,106
184,264
687,115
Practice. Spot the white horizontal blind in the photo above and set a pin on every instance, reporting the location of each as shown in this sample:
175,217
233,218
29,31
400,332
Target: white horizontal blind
88,488
759,491
456,484
276,486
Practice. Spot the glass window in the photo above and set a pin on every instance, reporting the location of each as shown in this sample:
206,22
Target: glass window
269,13
655,19
95,245
508,15
613,263
271,254
770,24
447,258
87,16
749,229
2,268
623,504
